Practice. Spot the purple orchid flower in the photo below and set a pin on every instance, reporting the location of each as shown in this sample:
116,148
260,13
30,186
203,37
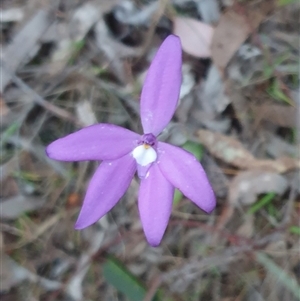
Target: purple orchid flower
161,167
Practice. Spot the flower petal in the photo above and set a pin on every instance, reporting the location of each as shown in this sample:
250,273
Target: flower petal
97,142
183,170
161,88
106,187
155,204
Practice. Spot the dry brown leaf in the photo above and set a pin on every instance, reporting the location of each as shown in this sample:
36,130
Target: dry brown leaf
231,151
282,115
4,109
196,36
9,186
247,228
233,29
247,185
281,165
226,148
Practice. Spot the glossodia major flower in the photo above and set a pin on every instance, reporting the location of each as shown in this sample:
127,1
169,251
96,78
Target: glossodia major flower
160,166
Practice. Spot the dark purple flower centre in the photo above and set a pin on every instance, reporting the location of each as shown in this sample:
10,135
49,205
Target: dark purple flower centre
148,139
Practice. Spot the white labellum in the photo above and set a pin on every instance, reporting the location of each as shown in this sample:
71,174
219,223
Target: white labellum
144,154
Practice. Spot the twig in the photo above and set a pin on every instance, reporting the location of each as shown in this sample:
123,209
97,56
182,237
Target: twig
43,103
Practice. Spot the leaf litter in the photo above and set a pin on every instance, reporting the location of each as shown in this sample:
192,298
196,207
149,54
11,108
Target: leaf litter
74,63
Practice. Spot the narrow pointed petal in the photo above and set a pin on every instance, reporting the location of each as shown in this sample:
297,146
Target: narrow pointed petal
183,170
161,89
155,204
106,187
97,142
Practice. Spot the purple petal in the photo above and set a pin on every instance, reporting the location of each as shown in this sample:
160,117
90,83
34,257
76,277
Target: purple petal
155,204
97,142
161,88
106,187
183,170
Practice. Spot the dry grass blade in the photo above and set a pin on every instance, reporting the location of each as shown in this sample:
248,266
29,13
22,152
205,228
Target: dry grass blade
12,273
282,115
42,102
281,276
38,231
24,42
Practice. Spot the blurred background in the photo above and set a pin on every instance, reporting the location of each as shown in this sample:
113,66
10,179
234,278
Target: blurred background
66,64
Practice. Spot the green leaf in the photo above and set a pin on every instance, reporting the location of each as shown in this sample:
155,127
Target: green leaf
281,276
177,197
295,230
95,70
286,2
195,148
272,210
268,71
11,130
266,199
116,274
76,46
275,91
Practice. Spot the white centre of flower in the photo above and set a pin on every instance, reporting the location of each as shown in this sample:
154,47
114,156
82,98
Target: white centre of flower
144,154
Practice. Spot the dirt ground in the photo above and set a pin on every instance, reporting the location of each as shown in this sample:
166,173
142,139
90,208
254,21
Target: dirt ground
67,64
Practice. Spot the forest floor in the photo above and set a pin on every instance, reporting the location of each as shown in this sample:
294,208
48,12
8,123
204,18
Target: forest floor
66,64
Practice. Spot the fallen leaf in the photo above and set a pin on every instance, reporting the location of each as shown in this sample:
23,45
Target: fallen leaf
278,147
14,14
196,37
233,29
232,152
211,92
188,81
15,206
281,165
85,113
82,20
216,176
9,186
247,185
226,148
281,115
4,109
